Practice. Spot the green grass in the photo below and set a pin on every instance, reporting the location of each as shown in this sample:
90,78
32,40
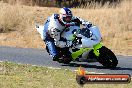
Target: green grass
14,75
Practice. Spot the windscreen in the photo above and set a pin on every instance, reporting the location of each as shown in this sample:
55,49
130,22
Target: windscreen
85,32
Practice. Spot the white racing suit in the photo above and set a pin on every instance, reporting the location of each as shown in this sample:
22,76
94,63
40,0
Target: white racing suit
52,32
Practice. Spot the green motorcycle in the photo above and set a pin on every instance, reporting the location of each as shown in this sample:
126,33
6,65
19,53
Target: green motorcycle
87,44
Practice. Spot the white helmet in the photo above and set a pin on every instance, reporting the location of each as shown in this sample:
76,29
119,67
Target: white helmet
65,15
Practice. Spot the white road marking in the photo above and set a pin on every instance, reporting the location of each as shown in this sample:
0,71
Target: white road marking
91,72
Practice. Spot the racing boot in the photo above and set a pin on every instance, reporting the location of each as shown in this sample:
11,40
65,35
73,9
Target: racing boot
58,59
55,58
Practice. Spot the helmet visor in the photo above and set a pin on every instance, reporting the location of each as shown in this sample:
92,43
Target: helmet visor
67,18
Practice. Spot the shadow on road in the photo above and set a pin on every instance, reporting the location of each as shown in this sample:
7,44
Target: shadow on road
84,65
120,68
95,66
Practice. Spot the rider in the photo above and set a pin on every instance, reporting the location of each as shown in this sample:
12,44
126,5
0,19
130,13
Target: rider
55,25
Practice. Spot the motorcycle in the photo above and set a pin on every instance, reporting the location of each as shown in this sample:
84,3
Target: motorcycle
86,46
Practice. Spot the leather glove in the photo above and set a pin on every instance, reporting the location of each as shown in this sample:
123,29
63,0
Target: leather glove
89,25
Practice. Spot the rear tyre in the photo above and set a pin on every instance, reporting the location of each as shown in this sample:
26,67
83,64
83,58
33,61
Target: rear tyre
66,60
65,56
107,58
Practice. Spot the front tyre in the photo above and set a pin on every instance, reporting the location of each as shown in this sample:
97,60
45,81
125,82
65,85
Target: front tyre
107,58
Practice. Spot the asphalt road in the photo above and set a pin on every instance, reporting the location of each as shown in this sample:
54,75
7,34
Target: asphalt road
41,58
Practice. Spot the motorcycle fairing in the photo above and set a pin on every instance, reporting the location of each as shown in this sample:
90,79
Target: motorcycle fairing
82,50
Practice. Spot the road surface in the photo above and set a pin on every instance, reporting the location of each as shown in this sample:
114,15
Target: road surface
41,58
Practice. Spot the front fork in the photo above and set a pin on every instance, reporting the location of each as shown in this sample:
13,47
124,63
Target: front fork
96,49
82,50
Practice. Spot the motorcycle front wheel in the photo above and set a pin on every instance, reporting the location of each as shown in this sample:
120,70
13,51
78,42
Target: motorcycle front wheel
107,58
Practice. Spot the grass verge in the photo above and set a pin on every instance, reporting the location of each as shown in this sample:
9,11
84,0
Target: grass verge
14,75
14,17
